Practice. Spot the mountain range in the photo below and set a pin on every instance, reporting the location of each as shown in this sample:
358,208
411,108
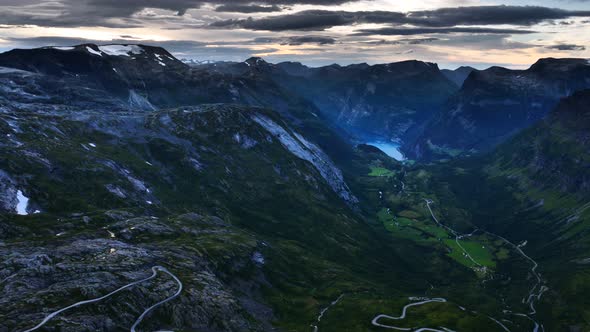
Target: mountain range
138,191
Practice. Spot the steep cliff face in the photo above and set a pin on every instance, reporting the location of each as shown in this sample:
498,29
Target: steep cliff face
496,103
380,101
554,154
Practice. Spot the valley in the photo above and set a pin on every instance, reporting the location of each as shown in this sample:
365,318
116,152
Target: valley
479,250
242,188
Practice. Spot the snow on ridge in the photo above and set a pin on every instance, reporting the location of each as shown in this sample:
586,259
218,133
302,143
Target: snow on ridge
62,48
8,70
195,62
121,50
92,51
303,149
159,60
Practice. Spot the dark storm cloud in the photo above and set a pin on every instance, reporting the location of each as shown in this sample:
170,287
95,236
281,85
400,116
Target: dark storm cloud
489,15
443,17
405,41
310,20
119,13
423,31
297,40
567,47
127,7
236,8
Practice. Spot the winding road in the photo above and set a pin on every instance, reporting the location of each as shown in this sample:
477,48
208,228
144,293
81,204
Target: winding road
375,321
155,270
536,328
142,316
532,296
457,235
535,292
422,301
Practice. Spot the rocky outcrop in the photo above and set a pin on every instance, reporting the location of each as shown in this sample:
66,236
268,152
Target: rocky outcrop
8,194
85,262
308,151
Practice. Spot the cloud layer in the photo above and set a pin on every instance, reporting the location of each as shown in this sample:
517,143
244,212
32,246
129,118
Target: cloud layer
312,31
444,17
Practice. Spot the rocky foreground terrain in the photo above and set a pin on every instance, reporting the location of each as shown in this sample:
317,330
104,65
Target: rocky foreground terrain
96,190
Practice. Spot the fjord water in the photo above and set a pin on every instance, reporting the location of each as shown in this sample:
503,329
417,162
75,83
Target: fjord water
390,148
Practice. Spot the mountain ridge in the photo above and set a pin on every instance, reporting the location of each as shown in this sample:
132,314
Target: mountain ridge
496,103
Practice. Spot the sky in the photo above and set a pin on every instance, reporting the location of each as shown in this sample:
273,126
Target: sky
452,33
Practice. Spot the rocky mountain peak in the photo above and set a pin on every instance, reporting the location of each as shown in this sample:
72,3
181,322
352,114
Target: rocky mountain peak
459,75
294,68
91,58
256,61
556,65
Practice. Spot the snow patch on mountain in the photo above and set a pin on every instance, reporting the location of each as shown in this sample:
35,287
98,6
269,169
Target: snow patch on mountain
7,70
308,151
258,258
245,141
193,62
116,191
23,203
63,48
93,51
121,50
196,164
